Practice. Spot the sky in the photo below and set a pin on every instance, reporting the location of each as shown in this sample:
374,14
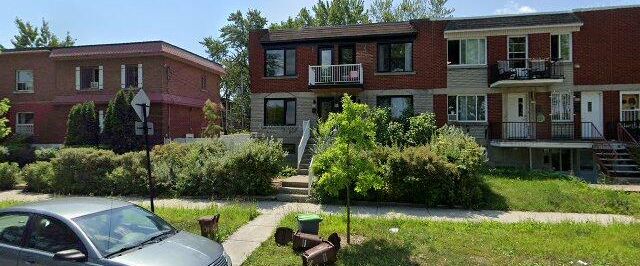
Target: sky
185,22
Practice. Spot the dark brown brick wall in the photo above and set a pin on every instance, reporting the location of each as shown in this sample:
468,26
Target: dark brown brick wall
494,114
440,109
496,50
611,112
539,45
543,107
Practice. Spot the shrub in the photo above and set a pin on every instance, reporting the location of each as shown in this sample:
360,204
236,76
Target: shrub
38,177
459,148
421,128
4,153
20,150
168,162
9,173
288,171
46,154
119,126
130,175
193,179
82,125
83,171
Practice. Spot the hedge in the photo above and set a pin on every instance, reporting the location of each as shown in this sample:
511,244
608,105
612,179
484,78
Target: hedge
9,173
38,177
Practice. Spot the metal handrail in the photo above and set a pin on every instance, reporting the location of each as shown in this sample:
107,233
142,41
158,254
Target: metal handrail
608,144
624,135
335,74
302,146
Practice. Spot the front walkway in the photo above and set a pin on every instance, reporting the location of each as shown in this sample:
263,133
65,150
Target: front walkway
627,188
249,237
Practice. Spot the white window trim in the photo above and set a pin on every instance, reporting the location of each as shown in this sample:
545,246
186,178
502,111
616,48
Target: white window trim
460,51
526,47
486,109
570,46
33,82
572,112
620,102
18,120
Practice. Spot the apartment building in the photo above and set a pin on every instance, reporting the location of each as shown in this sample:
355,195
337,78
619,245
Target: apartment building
558,91
43,84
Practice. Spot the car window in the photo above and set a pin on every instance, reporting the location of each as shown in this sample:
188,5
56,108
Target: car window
51,235
12,228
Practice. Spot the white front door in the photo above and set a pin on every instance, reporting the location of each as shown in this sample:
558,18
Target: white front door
517,126
591,114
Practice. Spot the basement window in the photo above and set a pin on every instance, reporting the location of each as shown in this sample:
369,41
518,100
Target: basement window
467,108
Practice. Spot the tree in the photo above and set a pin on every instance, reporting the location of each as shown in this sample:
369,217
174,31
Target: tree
231,50
347,162
119,125
386,11
30,36
211,113
327,13
5,130
82,126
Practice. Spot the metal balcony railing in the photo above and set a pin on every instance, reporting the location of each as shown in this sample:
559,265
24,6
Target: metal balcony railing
24,129
527,69
544,131
335,74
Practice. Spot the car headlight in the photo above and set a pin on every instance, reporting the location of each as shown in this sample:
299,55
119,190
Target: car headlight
227,258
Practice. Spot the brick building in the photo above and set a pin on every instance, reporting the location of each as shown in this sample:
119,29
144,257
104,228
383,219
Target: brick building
547,90
43,84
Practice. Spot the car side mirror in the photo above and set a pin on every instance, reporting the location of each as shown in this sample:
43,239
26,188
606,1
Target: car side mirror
70,255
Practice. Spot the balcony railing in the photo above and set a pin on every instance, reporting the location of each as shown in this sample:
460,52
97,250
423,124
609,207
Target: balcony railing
335,74
527,69
544,131
24,130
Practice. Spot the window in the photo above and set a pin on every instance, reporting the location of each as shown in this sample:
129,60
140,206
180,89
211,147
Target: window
203,82
280,62
467,52
400,106
131,76
12,227
51,235
395,57
347,54
280,112
561,47
561,106
629,106
517,52
24,80
467,108
101,120
325,56
90,78
24,118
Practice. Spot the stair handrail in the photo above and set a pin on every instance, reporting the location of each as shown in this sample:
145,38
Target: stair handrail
625,136
609,145
302,146
311,177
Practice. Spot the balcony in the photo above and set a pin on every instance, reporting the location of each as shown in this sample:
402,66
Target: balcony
24,129
554,131
526,72
336,75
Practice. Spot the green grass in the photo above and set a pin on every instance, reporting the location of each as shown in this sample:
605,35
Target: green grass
452,243
232,217
549,192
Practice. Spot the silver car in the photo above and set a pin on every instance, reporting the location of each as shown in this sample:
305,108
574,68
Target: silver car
95,231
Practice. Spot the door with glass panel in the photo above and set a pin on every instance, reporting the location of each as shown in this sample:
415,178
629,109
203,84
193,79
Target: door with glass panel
591,114
517,54
325,58
517,125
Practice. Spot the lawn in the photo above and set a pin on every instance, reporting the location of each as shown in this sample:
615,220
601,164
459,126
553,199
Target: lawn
232,217
454,243
549,192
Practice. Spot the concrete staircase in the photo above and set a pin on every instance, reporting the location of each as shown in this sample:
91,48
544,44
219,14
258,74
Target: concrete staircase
296,188
616,161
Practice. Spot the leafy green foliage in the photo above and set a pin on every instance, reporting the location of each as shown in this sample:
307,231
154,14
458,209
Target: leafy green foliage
460,148
38,176
20,150
129,177
46,154
9,174
30,36
421,129
211,113
5,130
82,125
4,153
119,125
405,10
83,171
327,13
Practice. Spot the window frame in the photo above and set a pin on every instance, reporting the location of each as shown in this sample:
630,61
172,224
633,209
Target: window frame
30,229
284,117
403,42
33,78
18,118
457,113
380,97
460,51
341,53
25,234
284,62
570,59
554,110
526,49
126,76
95,75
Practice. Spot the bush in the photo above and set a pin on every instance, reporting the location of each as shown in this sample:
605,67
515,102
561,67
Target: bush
288,171
46,154
9,174
459,148
4,153
20,150
83,171
130,175
82,125
119,126
38,177
421,128
194,178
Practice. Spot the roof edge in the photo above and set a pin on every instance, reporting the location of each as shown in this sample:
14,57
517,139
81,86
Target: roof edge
517,27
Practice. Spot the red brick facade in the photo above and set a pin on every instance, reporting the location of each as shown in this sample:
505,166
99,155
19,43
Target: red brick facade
175,87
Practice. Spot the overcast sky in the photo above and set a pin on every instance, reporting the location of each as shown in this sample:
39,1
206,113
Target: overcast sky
185,22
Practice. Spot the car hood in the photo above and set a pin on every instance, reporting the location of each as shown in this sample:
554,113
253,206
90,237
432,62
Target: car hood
180,249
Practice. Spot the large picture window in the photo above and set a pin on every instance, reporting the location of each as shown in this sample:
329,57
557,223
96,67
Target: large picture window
561,47
562,106
467,108
395,57
280,112
398,105
467,52
280,62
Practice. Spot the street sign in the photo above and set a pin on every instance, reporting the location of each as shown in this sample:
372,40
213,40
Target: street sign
140,128
138,101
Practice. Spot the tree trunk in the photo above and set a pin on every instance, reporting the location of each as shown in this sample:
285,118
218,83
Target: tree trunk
348,215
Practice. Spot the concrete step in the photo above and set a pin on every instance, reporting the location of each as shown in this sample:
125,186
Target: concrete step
627,180
616,159
294,190
292,198
625,171
299,181
303,171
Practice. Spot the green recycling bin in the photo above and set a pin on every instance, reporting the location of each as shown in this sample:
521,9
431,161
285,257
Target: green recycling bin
309,223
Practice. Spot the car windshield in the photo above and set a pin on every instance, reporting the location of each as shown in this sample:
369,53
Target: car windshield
120,229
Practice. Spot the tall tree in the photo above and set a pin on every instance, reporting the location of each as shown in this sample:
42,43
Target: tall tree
5,129
211,113
119,124
327,13
82,126
386,11
231,50
30,36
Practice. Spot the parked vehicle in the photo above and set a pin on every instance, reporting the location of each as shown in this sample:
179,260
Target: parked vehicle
98,231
